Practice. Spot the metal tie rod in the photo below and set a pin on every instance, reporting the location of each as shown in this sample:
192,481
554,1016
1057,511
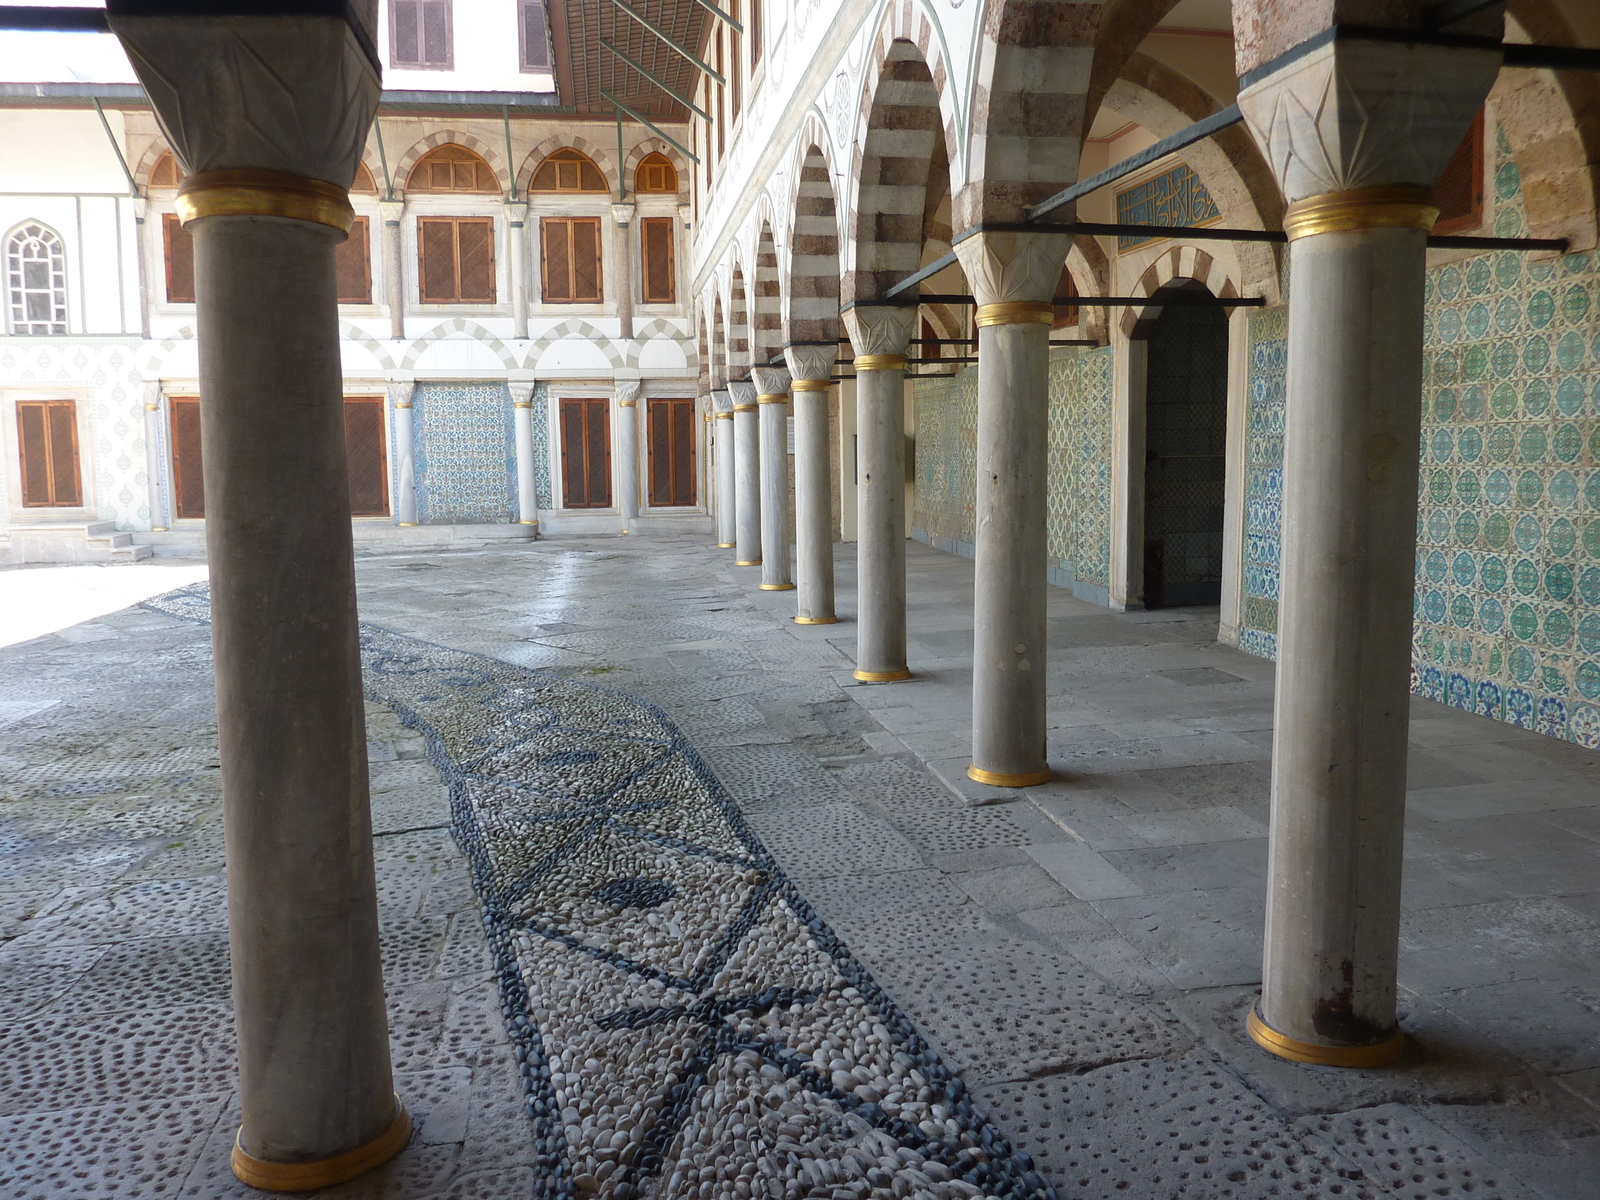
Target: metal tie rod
670,41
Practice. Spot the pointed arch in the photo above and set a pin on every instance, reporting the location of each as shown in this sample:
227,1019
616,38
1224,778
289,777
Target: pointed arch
719,346
574,327
813,291
458,137
155,156
565,140
680,164
460,325
567,170
452,168
766,326
1183,266
738,325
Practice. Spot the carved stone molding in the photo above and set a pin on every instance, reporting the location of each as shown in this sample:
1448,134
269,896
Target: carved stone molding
811,362
770,381
1364,114
622,213
1005,267
290,94
881,328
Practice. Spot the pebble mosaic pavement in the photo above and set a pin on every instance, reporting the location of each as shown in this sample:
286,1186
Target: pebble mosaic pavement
536,1060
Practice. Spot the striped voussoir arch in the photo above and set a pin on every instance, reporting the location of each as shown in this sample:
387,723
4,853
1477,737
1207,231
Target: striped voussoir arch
657,146
738,328
1179,263
767,325
353,333
893,164
658,328
814,251
719,346
460,325
1028,107
574,328
458,137
563,141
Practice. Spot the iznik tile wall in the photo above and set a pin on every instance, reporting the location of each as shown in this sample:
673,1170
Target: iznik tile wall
540,412
1079,500
466,454
1508,535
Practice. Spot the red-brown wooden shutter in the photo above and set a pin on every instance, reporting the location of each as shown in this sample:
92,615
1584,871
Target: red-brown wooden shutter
660,285
1066,314
188,476
178,247
352,265
475,255
367,456
671,452
586,453
571,259
47,438
1459,191
586,259
436,252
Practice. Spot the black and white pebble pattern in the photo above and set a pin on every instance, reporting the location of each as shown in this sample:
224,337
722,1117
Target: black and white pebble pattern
686,1027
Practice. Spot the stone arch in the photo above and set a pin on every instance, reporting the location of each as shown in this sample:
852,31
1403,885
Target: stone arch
1091,271
575,327
1181,267
658,328
718,363
894,162
766,326
354,333
703,373
146,165
1164,102
565,140
907,21
813,291
654,145
460,325
738,356
495,159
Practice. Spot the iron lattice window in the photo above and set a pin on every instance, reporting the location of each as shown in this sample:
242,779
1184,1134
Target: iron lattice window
421,35
47,435
671,452
570,252
534,34
36,274
457,259
1459,191
352,265
178,252
655,238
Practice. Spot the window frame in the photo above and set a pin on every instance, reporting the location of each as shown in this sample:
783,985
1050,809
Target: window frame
456,222
171,227
422,50
645,296
364,223
16,287
45,405
545,224
523,66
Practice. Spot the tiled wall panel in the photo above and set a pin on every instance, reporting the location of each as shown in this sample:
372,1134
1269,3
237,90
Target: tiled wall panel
466,454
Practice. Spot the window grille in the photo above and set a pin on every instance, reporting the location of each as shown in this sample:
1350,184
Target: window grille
352,265
47,436
586,453
660,284
421,35
656,174
452,168
36,275
568,170
178,253
456,259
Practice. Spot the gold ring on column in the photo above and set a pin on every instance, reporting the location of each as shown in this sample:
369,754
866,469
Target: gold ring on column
880,362
882,676
1366,208
1001,779
1378,1054
725,545
721,416
810,385
745,407
773,398
755,562
306,1176
264,194
777,587
627,403
816,620
1016,312
514,404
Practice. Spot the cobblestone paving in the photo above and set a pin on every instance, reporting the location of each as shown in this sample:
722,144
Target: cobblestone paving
1087,1029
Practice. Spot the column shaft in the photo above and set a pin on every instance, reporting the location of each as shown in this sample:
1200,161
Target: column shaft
747,485
1008,663
314,1073
393,269
517,225
722,449
405,465
527,478
881,521
628,462
774,416
155,464
813,500
1352,424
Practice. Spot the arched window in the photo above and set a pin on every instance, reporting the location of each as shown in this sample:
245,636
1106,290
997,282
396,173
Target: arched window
452,168
568,170
36,276
165,173
363,183
655,174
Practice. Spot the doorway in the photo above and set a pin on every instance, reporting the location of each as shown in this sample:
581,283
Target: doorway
366,456
1186,432
586,453
671,452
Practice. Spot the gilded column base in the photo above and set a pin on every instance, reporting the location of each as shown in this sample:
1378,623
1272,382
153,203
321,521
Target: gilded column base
307,1176
777,587
406,525
816,620
1001,779
1378,1054
882,676
527,522
725,545
755,562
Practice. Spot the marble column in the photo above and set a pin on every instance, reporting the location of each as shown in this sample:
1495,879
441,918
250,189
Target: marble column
722,451
628,452
517,228
394,275
527,465
268,116
155,457
622,214
405,453
811,369
1013,276
746,473
881,335
1357,132
772,399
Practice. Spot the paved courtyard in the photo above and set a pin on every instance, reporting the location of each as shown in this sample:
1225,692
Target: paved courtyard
673,908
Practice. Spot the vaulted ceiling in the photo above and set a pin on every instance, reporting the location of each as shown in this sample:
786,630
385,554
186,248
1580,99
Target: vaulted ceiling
583,66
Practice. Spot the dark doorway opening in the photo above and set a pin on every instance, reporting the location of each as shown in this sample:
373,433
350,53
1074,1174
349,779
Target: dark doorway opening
366,456
671,452
586,453
1186,431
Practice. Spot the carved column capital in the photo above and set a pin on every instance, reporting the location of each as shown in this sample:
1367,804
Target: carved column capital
811,362
622,213
721,400
771,381
1354,114
627,390
400,392
742,391
1010,267
521,392
881,328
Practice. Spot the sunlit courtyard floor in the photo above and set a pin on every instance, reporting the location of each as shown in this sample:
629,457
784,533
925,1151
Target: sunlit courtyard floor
859,975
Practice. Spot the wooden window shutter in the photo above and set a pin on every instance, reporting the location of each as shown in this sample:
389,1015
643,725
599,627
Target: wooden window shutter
367,456
456,257
47,437
586,259
475,254
671,452
352,265
570,259
683,451
1459,191
660,285
188,475
436,33
586,453
1066,314
178,248
436,253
